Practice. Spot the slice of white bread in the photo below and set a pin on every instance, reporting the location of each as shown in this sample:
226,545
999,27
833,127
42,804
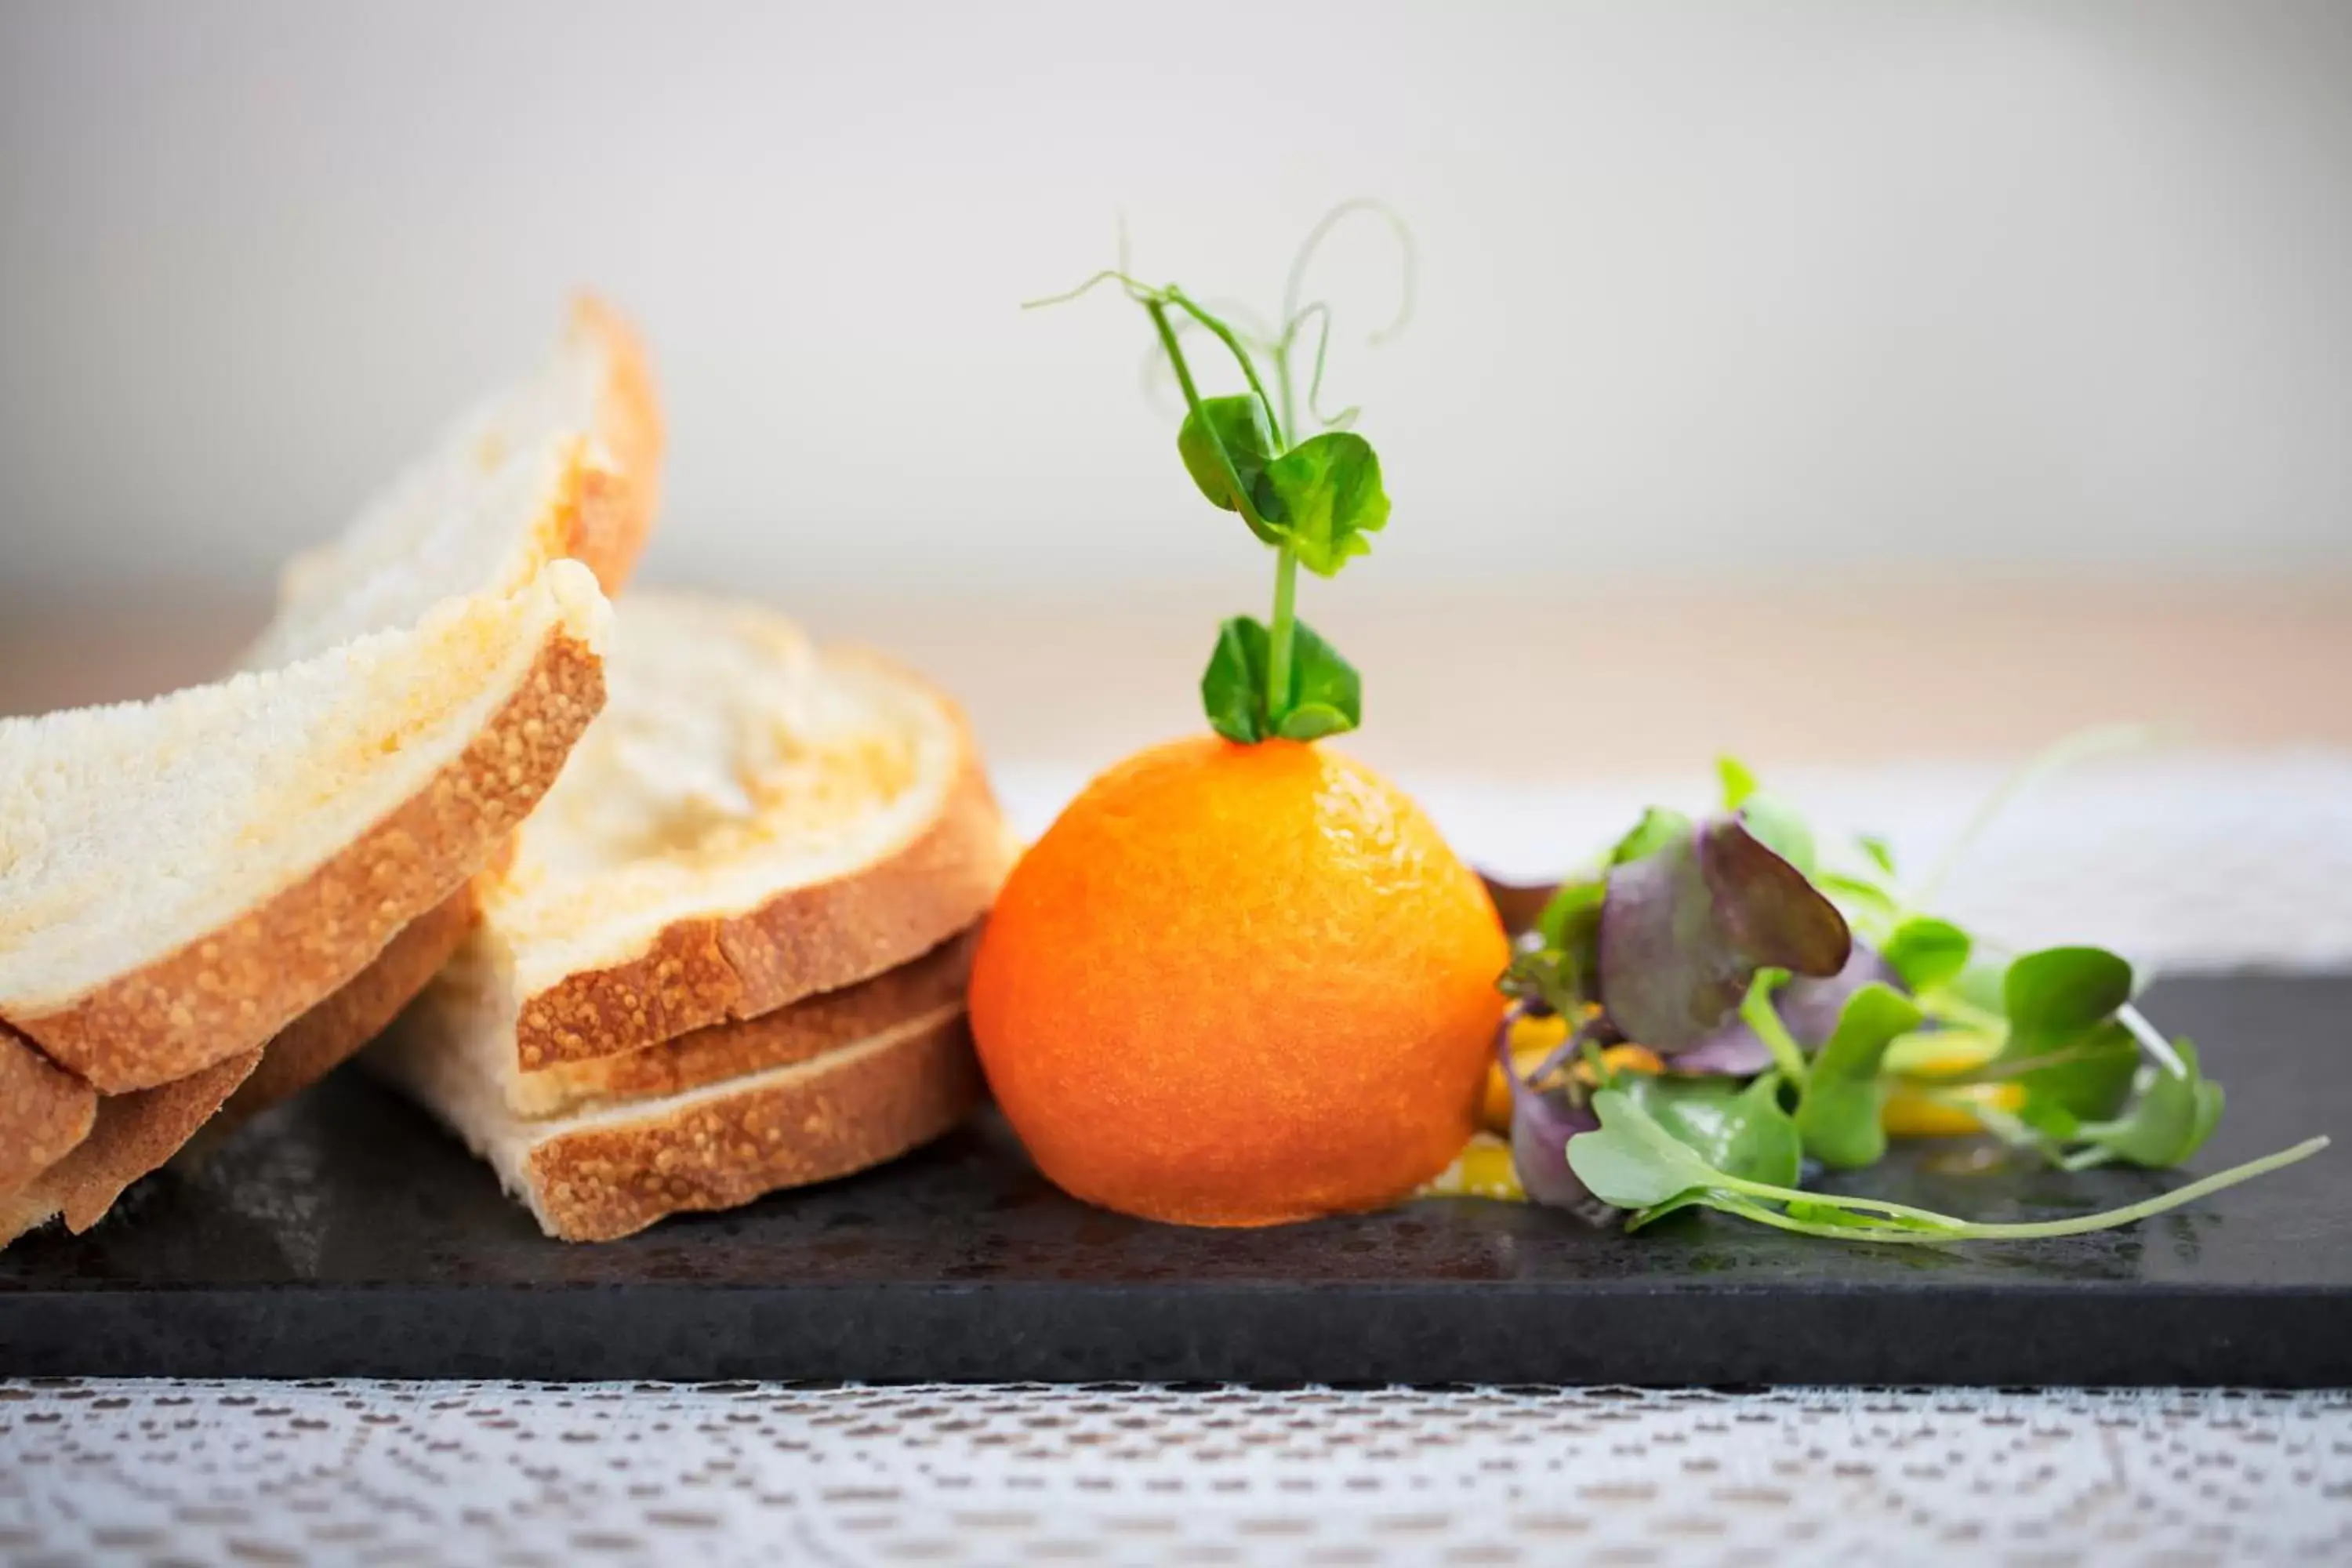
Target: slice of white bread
181,878
134,1134
448,1024
595,1175
731,953
335,1027
45,1110
751,822
565,463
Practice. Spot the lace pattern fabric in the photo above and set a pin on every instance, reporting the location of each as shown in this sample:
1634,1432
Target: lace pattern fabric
375,1472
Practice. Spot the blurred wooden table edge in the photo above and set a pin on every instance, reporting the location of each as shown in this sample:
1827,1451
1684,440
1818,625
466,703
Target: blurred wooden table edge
1513,685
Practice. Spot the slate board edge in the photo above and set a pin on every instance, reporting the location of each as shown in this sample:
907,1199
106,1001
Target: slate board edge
2095,1335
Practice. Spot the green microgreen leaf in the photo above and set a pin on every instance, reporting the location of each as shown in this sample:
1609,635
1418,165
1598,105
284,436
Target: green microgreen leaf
1659,825
1738,782
2065,1046
1741,1130
1233,689
1631,1162
2170,1120
1926,951
1839,1116
1328,498
1574,907
1326,695
1880,853
1238,425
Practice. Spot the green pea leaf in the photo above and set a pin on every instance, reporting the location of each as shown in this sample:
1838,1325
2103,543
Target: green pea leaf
1660,826
2065,1046
1328,492
1926,951
1573,909
1326,696
1631,1163
2171,1121
1839,1116
1239,425
1741,1130
1982,982
1738,782
2053,996
1233,689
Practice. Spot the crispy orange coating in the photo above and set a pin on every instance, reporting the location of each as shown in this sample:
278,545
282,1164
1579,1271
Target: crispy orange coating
1235,985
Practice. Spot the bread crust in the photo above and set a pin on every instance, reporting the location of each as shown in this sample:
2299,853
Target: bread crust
134,1133
45,1112
336,1026
597,1184
224,994
819,936
933,984
617,503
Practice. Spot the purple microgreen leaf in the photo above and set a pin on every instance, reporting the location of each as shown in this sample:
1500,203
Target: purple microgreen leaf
1685,929
1543,1119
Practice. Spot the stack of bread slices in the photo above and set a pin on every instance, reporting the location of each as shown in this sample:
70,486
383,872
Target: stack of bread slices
706,944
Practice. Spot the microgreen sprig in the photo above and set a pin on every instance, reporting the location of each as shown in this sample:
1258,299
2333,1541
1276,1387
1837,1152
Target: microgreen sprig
1746,948
1635,1164
1315,502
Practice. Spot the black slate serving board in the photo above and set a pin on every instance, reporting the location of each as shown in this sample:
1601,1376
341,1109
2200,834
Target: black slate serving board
345,1235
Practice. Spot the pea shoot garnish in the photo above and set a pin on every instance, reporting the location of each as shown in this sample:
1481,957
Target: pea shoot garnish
1315,501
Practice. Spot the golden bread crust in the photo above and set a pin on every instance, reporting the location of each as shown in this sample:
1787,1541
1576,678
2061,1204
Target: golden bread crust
806,1029
597,1184
618,504
820,937
322,1038
134,1134
223,995
45,1112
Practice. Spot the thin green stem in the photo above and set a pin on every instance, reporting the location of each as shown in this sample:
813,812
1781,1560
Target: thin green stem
1224,334
1951,1229
1158,311
1136,286
2065,754
1946,1008
1756,1011
1281,631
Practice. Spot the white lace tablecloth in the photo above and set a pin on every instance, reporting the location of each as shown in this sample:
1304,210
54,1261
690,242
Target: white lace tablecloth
499,1473
2192,862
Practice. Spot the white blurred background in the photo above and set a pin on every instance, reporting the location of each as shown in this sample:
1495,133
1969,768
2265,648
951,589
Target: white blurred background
1708,289
1714,297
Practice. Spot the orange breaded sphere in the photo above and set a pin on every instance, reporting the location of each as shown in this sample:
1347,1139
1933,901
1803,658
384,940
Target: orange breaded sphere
1239,984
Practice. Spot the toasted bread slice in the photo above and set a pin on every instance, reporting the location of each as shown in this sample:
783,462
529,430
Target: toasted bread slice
181,878
45,1110
751,822
599,1175
134,1133
335,1027
445,1021
564,464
